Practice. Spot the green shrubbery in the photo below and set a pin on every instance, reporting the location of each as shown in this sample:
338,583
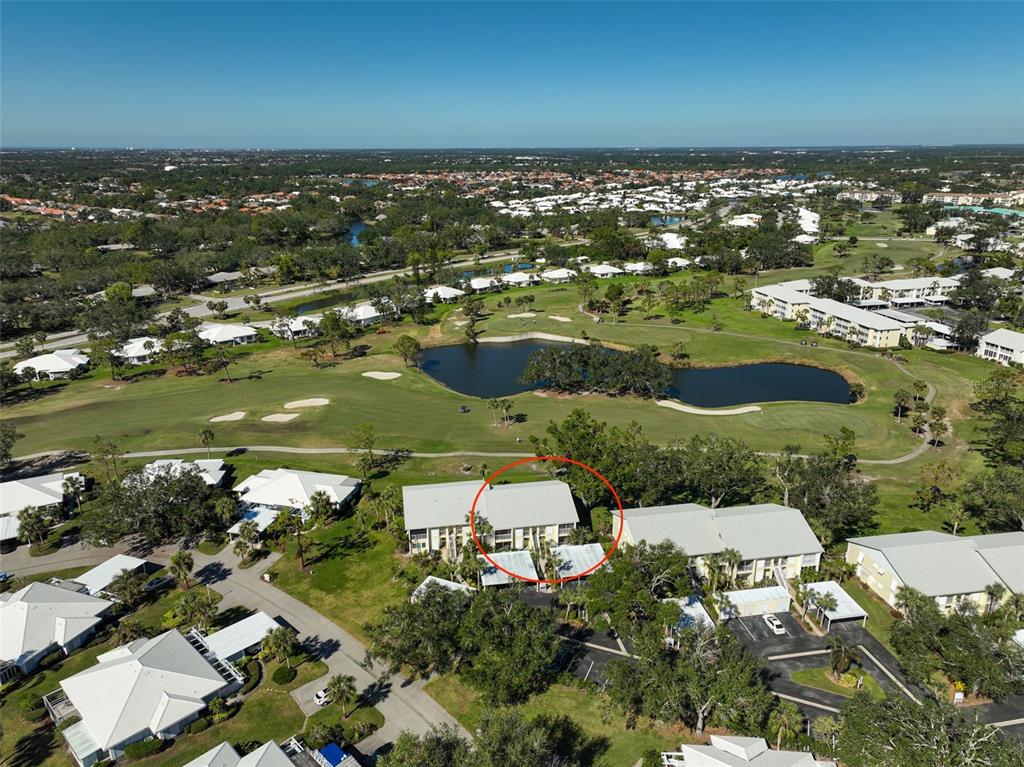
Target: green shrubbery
199,725
144,748
253,677
283,675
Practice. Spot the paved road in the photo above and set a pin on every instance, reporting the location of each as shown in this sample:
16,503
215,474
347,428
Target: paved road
405,706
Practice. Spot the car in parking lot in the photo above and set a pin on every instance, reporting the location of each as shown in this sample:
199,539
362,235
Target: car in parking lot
322,697
774,624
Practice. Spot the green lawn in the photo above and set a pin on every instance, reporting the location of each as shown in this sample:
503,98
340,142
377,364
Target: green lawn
617,745
880,618
821,679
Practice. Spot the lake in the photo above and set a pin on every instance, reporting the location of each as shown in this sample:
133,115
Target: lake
665,220
492,370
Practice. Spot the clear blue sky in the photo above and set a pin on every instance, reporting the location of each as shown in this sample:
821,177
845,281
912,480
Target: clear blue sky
488,74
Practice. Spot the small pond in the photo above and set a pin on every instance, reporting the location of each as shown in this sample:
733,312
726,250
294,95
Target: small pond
665,220
354,231
492,370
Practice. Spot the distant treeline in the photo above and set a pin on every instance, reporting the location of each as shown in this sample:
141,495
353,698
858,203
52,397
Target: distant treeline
593,368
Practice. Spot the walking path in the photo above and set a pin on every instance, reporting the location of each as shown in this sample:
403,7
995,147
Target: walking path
405,705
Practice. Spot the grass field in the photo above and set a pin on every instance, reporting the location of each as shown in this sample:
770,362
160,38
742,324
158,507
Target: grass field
821,679
615,745
880,618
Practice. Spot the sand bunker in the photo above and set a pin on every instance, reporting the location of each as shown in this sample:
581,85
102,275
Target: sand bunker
701,411
380,375
559,318
312,402
881,245
280,417
238,415
521,314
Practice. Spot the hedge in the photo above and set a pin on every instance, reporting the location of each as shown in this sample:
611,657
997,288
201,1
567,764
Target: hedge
198,725
253,676
143,748
283,675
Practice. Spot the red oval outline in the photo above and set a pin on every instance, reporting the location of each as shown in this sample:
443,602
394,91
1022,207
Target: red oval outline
532,459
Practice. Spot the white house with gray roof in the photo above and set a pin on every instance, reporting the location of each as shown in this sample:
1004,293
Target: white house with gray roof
148,688
45,491
1002,345
40,618
522,514
951,569
766,535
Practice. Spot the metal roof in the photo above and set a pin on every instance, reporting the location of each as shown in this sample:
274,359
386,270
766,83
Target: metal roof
576,559
235,639
846,607
523,504
518,562
101,576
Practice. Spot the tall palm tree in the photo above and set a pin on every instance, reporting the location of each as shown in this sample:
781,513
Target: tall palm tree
995,593
280,644
731,558
33,525
181,567
713,568
341,688
785,723
206,437
840,657
127,587
241,549
73,488
319,509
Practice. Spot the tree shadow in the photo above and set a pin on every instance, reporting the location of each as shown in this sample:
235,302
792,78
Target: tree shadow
46,464
231,615
320,649
33,749
33,394
215,572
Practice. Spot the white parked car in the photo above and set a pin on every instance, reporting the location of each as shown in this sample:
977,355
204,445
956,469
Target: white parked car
322,697
774,624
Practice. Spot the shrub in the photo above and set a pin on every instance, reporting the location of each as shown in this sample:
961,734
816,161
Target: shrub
198,725
849,679
283,675
32,707
253,677
143,748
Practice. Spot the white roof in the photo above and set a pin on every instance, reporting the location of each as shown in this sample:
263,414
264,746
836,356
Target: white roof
99,577
292,489
845,608
691,612
603,269
736,751
59,361
523,504
759,531
10,526
42,491
941,564
482,283
638,267
136,347
141,688
1011,339
518,278
752,596
855,315
267,755
41,614
433,580
558,274
576,559
263,516
678,261
442,293
223,755
211,470
518,562
296,324
240,636
221,334
360,313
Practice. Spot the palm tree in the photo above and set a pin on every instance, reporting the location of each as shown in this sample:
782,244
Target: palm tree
785,723
505,404
181,567
280,644
995,593
387,504
128,631
731,558
33,525
127,587
241,549
840,657
319,509
73,488
206,437
342,687
713,568
824,603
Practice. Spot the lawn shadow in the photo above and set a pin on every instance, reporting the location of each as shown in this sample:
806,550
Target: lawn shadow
33,749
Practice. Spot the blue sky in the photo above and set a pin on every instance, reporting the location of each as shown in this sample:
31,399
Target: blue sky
489,74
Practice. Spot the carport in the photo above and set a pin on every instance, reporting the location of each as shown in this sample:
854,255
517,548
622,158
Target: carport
846,610
747,602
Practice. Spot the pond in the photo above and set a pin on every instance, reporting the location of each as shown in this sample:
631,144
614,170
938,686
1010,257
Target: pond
492,370
353,232
665,220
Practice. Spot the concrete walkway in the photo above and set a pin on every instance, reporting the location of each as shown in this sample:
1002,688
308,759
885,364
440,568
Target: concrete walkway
405,705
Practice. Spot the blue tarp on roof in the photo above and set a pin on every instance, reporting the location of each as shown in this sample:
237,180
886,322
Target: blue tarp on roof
333,754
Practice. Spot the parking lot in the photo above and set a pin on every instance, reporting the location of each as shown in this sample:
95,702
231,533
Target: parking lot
762,641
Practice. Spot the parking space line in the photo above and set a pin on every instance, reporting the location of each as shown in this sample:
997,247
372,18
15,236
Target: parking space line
805,702
1008,723
787,656
889,674
747,629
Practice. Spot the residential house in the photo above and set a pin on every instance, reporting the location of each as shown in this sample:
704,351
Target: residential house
520,279
521,514
442,294
41,617
735,751
951,569
291,328
603,271
96,580
140,351
638,267
770,538
43,492
148,688
267,494
234,335
361,314
484,284
62,363
292,753
211,470
558,275
1003,345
